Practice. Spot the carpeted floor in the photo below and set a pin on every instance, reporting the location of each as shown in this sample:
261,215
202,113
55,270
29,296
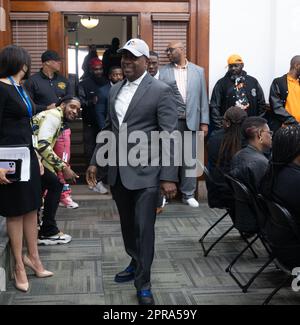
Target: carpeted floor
85,268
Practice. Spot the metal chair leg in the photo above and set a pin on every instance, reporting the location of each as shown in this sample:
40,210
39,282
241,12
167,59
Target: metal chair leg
207,251
213,226
251,280
201,240
273,293
246,286
249,244
228,269
265,245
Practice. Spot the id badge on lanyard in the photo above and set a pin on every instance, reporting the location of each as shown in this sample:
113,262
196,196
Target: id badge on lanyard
23,95
35,141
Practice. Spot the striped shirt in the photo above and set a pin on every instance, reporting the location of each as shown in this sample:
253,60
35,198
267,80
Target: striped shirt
181,79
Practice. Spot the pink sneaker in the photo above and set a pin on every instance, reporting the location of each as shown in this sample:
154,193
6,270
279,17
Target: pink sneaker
67,202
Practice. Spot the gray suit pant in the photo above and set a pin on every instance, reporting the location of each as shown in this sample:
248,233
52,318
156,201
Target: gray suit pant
187,185
137,209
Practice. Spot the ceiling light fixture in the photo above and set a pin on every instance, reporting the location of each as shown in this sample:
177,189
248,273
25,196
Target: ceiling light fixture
89,22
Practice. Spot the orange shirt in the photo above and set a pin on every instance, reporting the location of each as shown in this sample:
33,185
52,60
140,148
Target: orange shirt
293,99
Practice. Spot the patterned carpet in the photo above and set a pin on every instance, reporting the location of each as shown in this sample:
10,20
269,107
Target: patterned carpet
85,268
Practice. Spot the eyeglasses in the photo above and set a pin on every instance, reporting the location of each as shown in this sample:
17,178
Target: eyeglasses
235,65
171,49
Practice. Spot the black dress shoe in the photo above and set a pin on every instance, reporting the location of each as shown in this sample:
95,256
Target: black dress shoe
126,275
247,235
145,297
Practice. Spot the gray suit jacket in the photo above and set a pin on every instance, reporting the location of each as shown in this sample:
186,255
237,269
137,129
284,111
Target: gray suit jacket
197,109
152,108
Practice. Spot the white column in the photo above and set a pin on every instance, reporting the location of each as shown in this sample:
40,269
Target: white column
2,20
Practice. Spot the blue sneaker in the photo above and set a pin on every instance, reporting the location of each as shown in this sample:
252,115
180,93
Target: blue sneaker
126,275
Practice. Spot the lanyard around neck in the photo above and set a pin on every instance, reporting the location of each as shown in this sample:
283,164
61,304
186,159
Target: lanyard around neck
23,95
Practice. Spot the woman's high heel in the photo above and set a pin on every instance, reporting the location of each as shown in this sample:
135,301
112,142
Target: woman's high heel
39,274
21,286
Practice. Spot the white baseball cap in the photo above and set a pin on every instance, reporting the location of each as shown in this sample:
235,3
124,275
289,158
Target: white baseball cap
137,47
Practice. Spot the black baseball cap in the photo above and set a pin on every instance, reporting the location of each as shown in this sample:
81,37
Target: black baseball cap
50,55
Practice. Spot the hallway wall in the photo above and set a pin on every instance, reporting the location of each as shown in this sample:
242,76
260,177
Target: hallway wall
265,33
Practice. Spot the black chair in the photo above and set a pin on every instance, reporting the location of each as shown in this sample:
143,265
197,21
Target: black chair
252,208
282,232
226,213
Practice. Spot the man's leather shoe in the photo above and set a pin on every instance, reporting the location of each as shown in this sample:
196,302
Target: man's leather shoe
145,297
126,275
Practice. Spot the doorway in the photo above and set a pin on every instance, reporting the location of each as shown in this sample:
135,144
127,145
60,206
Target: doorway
78,38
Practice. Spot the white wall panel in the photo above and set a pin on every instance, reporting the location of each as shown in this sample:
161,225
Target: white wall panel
265,33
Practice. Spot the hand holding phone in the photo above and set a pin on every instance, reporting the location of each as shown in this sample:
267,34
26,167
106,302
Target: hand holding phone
10,170
3,179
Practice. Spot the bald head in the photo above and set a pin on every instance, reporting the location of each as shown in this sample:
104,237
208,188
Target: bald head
176,52
174,44
295,61
295,67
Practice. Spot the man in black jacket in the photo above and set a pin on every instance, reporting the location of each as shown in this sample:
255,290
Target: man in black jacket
47,86
111,56
285,97
249,166
236,88
87,94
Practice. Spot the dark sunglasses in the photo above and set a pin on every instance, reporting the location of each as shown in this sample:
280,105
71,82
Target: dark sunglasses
171,49
236,65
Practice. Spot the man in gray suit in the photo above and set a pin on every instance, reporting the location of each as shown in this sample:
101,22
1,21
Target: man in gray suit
187,81
143,104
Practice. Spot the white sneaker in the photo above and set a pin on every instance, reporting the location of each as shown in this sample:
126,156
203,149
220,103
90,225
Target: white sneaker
164,202
100,188
68,202
59,238
191,202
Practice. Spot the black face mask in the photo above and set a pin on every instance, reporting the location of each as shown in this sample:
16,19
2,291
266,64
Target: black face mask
26,76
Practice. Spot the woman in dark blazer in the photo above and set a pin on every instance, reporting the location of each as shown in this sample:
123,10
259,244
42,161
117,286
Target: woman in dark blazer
19,201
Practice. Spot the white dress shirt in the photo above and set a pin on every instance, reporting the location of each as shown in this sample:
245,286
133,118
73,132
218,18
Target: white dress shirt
125,96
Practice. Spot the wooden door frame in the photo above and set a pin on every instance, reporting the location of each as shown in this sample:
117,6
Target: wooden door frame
198,32
5,35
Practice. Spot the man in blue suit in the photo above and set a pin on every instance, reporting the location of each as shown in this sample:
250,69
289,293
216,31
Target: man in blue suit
115,75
